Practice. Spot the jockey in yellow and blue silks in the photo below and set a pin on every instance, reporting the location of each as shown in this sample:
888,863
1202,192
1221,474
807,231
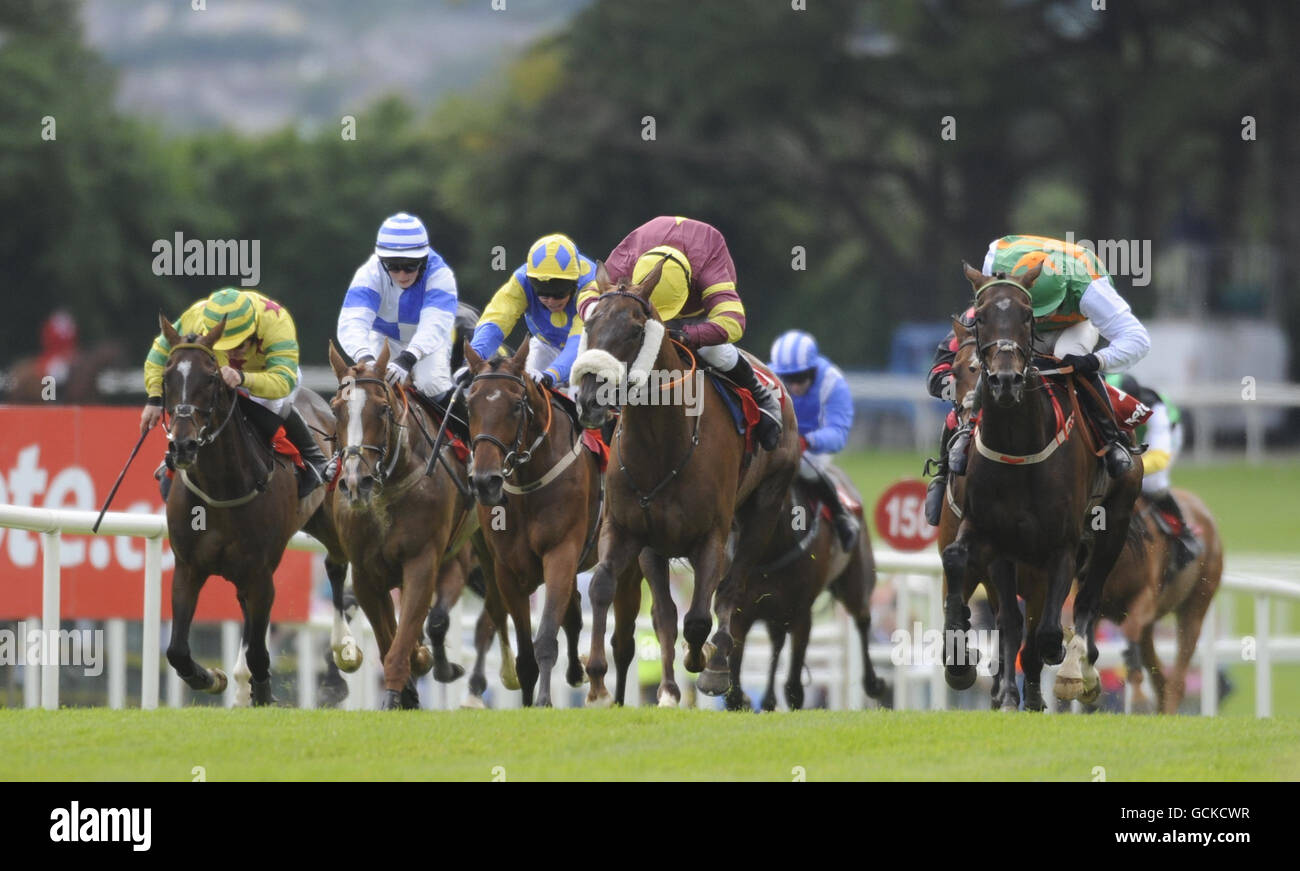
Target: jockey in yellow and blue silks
824,410
544,291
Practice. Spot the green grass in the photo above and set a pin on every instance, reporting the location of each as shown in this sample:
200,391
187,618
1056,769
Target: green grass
636,744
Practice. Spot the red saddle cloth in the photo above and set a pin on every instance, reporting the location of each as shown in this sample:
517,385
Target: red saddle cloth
592,441
280,442
1130,412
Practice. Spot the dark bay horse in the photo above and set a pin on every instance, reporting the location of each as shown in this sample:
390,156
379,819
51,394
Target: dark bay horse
1034,497
539,496
400,528
232,513
1140,591
804,558
676,487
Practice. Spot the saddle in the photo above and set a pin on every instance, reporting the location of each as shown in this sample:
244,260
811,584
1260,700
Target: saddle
740,403
457,430
591,438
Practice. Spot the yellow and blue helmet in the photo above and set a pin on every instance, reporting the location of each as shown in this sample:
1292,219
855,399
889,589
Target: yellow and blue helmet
241,317
553,256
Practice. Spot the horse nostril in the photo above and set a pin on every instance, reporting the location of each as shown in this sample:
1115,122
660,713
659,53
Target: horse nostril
1017,379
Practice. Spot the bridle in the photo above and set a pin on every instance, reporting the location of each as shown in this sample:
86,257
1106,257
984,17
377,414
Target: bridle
512,456
982,348
186,411
393,428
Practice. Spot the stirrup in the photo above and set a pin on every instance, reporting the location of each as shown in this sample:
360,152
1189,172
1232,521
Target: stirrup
1118,460
959,450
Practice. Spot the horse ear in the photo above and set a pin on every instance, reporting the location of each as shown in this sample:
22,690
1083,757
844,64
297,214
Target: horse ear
518,361
959,330
211,338
168,331
1027,280
472,357
976,278
382,363
647,285
336,360
602,276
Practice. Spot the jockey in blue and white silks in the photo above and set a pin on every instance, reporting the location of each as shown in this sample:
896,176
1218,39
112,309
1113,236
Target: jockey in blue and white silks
824,409
404,294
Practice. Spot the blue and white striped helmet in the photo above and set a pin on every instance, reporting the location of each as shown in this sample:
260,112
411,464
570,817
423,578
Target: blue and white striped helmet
402,235
793,351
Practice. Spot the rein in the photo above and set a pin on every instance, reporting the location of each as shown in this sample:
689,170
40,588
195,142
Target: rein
380,472
513,457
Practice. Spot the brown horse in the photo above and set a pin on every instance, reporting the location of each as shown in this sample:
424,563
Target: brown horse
541,525
400,527
1138,593
25,381
233,512
1027,503
803,558
677,487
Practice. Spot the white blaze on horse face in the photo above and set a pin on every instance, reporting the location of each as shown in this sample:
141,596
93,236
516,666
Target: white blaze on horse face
356,407
1002,304
184,368
491,397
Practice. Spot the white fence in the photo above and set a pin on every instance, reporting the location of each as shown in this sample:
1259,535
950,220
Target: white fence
834,655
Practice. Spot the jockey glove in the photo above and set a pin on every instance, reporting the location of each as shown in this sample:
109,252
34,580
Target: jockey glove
542,378
684,338
1084,364
400,367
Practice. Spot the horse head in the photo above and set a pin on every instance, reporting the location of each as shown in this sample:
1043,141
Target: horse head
623,335
500,401
1004,331
193,390
364,407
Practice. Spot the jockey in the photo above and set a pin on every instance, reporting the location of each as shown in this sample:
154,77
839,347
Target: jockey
257,353
942,385
405,295
824,409
544,290
1075,304
1163,435
696,297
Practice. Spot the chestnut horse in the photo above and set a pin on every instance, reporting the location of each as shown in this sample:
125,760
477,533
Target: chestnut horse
539,495
804,558
232,513
676,487
1027,503
1139,592
400,527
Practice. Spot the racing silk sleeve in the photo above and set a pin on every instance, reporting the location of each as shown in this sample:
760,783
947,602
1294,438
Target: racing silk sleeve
944,354
360,307
437,315
155,363
278,343
563,362
1160,440
499,318
836,418
1113,318
714,273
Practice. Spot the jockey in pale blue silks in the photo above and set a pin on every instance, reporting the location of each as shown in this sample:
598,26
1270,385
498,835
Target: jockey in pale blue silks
824,409
405,295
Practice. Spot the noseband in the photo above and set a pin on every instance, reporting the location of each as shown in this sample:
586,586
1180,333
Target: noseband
512,456
377,470
186,411
982,348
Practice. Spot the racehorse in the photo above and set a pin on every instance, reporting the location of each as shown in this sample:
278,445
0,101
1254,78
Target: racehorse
1139,592
804,557
1029,504
25,381
680,488
400,527
541,524
233,512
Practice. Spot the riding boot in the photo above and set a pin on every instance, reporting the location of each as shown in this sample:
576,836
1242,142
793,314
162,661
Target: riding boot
300,434
1118,459
957,451
164,473
846,525
1187,547
769,418
934,491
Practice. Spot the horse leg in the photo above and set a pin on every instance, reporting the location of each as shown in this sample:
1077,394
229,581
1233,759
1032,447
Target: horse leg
800,629
1133,666
736,698
1002,575
712,566
576,674
484,629
663,614
1189,619
186,584
451,582
347,653
616,553
627,607
516,601
956,571
417,593
1051,647
1152,661
259,594
852,589
559,569
775,632
1030,661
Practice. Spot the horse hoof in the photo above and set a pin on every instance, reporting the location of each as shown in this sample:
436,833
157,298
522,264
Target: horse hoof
1051,647
391,701
604,700
1009,706
261,692
1090,695
509,677
577,673
422,661
877,688
473,703
446,672
1069,688
738,701
219,682
667,699
348,657
332,693
693,661
959,677
713,683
